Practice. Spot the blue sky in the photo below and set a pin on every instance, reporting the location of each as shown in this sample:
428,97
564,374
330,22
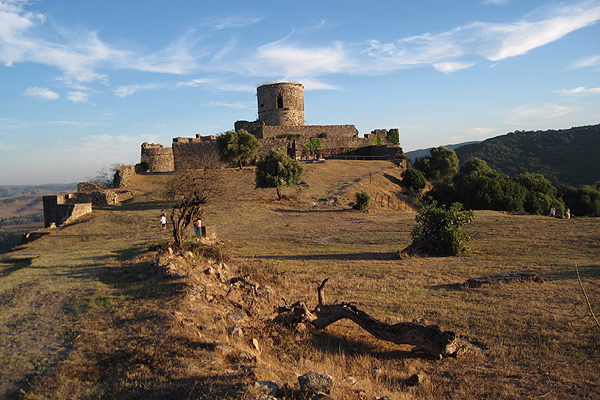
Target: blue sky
84,84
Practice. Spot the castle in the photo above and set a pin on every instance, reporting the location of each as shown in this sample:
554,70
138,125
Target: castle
280,123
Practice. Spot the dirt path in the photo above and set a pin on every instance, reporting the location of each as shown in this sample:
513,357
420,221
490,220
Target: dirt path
40,282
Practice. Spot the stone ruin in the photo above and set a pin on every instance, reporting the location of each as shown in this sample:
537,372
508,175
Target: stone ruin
63,209
280,123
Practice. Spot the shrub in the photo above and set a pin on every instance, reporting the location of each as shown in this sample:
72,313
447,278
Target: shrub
278,170
393,136
322,135
414,180
377,141
439,230
362,201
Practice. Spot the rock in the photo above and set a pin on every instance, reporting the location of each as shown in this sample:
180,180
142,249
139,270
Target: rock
236,316
235,331
314,382
415,380
350,380
254,344
385,398
322,396
267,387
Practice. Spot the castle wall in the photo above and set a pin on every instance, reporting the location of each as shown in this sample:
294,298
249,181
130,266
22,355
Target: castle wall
62,209
159,158
196,153
281,104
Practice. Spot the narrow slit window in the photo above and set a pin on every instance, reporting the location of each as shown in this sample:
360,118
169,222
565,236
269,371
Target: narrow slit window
279,101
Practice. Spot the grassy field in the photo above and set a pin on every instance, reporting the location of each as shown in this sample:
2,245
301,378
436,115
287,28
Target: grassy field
85,314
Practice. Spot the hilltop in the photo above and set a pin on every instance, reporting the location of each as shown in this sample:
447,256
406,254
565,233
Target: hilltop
100,308
566,156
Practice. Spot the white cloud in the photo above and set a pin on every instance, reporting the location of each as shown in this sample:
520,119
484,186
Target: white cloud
230,105
194,82
523,114
579,90
461,47
586,62
41,93
294,61
234,22
79,96
479,131
124,91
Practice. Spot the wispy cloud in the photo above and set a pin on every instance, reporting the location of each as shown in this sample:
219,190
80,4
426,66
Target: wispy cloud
229,105
41,93
586,62
79,96
124,91
239,21
579,90
81,54
537,113
463,46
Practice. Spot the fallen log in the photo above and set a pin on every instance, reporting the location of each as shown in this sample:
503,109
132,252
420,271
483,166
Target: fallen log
426,338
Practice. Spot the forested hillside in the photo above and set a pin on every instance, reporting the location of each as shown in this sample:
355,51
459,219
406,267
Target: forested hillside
566,156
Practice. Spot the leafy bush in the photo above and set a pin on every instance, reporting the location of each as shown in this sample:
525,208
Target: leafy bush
362,201
312,147
441,164
414,180
278,170
377,140
440,230
393,136
322,135
237,146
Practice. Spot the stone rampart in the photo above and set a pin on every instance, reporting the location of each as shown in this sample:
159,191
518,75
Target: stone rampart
123,176
195,153
281,104
62,209
159,158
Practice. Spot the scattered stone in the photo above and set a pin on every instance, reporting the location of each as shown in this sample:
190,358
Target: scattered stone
322,396
267,387
254,344
247,357
235,331
385,398
236,316
314,382
350,380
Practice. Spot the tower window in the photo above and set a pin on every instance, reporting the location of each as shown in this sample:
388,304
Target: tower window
279,101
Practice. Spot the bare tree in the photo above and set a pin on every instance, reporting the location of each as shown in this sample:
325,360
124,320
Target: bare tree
189,191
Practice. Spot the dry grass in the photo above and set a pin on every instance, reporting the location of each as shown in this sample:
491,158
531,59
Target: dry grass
116,328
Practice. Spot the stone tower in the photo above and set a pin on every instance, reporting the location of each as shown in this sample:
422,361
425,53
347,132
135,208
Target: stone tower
281,104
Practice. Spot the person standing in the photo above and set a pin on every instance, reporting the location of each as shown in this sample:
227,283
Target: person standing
163,220
198,227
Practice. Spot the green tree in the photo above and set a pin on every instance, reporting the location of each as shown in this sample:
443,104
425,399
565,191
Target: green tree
278,170
414,180
393,136
439,230
314,145
377,140
189,192
237,146
441,164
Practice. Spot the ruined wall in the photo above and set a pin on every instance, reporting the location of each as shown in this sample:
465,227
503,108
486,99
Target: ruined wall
123,176
62,209
159,158
281,104
195,153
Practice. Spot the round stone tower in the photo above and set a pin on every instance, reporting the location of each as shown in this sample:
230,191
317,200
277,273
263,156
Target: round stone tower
281,104
159,158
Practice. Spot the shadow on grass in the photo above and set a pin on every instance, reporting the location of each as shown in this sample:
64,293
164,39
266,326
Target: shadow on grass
332,344
585,271
287,211
393,179
15,264
336,257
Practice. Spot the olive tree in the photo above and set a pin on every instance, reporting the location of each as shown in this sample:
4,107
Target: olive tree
188,192
278,170
237,146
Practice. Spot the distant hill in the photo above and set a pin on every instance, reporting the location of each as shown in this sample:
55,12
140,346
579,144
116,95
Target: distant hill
425,152
565,156
27,199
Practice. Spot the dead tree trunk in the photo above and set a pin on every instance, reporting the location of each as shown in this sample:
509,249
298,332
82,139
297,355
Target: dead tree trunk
429,339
